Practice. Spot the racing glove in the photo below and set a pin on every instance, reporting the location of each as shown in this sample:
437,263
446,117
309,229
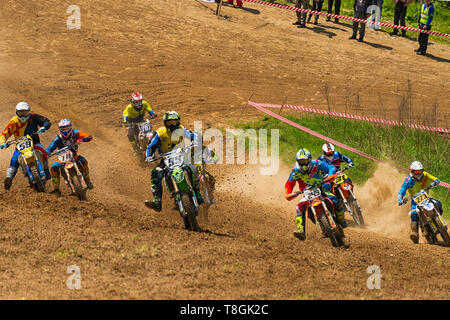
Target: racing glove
41,130
3,146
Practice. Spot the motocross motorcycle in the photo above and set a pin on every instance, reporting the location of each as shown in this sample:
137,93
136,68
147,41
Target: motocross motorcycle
179,178
343,190
143,134
321,211
71,171
31,162
430,221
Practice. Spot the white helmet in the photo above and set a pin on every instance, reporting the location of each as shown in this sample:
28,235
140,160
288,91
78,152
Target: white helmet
23,111
328,151
416,169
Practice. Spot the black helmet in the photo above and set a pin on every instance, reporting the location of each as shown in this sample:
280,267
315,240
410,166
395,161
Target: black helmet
171,120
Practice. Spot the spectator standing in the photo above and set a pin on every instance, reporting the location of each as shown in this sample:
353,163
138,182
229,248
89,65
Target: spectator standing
425,19
360,12
337,9
301,16
401,7
317,6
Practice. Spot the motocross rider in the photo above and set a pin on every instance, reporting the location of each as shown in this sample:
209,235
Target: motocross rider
24,123
334,157
133,113
307,173
165,139
69,137
417,180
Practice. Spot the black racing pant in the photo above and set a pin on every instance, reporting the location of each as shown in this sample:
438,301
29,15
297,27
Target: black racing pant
423,39
400,15
337,7
362,26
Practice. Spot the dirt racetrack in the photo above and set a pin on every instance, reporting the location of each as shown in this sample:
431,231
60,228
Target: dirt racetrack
180,56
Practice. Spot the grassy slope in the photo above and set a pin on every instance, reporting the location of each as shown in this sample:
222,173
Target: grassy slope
397,145
441,20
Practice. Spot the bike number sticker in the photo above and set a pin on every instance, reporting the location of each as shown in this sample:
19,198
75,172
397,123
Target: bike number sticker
24,145
65,157
339,179
146,128
421,198
311,195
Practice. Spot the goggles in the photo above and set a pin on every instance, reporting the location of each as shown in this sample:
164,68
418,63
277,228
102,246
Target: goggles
417,172
170,123
65,129
329,153
303,161
22,113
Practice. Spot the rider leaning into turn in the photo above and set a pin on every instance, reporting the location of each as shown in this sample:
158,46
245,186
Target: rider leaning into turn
417,180
69,137
307,173
166,138
24,123
135,112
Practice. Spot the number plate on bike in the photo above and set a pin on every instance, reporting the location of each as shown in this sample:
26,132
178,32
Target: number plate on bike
339,179
24,145
146,128
420,198
174,161
65,156
311,195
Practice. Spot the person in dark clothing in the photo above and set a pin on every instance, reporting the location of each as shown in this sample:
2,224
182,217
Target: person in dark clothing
425,19
401,7
337,9
360,12
317,6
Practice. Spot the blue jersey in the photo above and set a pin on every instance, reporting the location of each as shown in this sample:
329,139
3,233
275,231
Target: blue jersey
315,176
336,159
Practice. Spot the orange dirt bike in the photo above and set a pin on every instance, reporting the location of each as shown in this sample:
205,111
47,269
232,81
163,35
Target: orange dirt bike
321,209
31,162
343,190
71,171
430,221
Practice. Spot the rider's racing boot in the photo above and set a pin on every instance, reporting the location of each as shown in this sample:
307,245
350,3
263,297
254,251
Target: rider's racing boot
135,148
414,236
300,232
340,219
8,182
55,182
155,204
48,176
87,179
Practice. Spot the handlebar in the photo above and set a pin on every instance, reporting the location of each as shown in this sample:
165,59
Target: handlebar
58,151
405,200
9,143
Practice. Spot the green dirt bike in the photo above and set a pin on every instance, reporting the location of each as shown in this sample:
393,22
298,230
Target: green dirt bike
179,178
31,162
430,221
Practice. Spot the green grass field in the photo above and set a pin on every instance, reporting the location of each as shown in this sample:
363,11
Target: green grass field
396,144
441,20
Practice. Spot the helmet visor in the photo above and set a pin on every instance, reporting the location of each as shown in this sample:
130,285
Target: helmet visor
171,123
23,113
303,161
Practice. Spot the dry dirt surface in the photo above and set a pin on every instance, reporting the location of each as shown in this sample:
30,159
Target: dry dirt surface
180,56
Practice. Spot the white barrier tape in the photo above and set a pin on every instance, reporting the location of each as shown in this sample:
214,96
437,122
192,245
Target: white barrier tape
356,117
